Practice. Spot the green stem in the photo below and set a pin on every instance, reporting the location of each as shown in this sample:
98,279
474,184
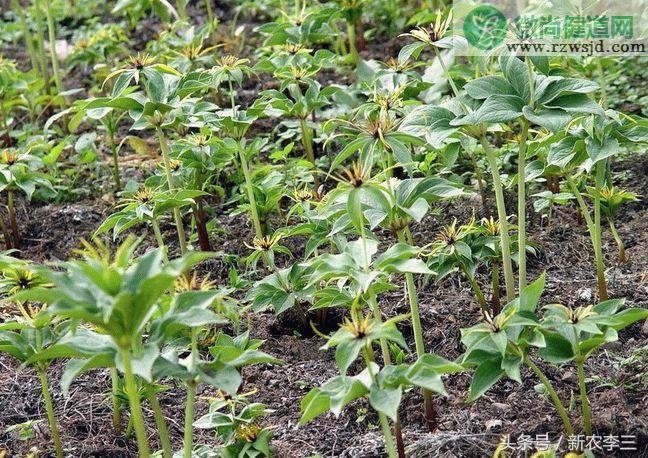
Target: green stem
598,248
351,34
602,82
481,299
384,423
495,300
384,347
191,396
446,72
182,10
115,157
560,408
40,44
507,263
307,141
114,379
164,147
160,422
11,207
58,82
50,413
585,406
135,406
189,415
521,206
480,184
159,239
27,35
232,96
430,412
622,253
210,13
249,189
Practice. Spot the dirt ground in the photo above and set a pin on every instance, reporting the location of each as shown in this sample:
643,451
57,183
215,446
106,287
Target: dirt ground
618,375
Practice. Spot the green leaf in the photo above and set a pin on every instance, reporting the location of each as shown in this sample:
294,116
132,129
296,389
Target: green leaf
552,119
346,353
531,294
314,404
576,103
76,367
598,151
564,86
486,375
517,74
385,400
484,87
496,109
354,208
557,348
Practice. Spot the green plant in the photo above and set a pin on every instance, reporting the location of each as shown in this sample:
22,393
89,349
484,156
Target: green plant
611,201
117,299
147,206
383,387
18,174
32,335
589,145
235,420
545,202
501,344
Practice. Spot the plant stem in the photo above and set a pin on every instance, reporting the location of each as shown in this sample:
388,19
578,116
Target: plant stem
560,408
453,86
307,141
622,253
40,44
159,239
351,35
384,423
585,406
480,185
521,206
598,249
210,13
481,299
495,300
115,157
249,189
27,35
11,207
430,412
384,347
602,82
160,422
182,10
505,239
164,147
191,397
50,413
232,96
114,379
201,224
189,415
135,406
58,82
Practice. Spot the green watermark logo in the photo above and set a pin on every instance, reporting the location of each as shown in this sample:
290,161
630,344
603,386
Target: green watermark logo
485,27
